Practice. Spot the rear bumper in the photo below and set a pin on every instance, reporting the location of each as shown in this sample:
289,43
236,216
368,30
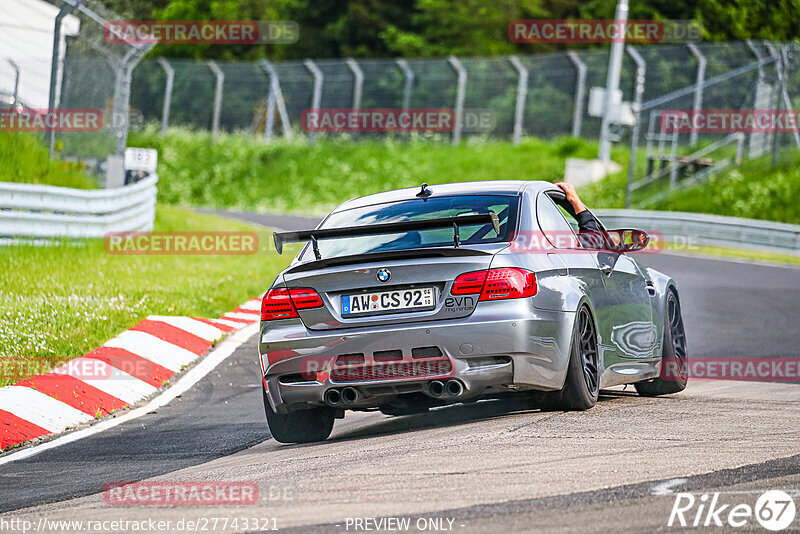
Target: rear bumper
504,343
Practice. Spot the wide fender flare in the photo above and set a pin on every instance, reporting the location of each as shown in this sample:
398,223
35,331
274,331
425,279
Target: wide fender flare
662,284
572,317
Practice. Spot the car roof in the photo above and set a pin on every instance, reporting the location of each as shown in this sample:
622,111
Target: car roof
486,187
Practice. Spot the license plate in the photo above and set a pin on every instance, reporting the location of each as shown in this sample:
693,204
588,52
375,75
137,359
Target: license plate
398,300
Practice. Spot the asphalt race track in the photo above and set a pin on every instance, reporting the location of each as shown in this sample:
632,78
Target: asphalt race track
485,467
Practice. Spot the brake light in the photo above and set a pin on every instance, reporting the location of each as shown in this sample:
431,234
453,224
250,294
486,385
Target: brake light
305,298
468,283
497,284
283,303
509,283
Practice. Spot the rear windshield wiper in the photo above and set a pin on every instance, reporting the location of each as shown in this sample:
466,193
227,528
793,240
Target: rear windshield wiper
387,228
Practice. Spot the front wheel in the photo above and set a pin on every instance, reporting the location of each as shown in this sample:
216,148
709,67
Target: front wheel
582,385
303,426
674,360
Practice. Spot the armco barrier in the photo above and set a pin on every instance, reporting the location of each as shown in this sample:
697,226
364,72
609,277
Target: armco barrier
28,210
706,229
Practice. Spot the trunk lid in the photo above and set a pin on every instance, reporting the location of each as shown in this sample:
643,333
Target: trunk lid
356,276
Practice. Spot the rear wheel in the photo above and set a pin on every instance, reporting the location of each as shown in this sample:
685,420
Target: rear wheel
674,360
582,385
303,426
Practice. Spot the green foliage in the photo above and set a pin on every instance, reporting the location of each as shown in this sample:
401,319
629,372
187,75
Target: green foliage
752,190
426,28
745,19
242,172
25,160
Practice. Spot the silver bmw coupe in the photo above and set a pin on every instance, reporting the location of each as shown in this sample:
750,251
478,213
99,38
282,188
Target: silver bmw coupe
413,299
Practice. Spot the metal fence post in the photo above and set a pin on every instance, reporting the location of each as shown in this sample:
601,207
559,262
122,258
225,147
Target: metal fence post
122,96
270,124
641,72
275,90
787,102
358,84
758,56
170,72
16,81
358,76
55,62
522,93
460,93
119,107
220,76
580,91
612,83
776,136
316,98
409,82
673,161
699,81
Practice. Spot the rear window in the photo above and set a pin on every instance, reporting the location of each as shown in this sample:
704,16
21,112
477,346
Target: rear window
414,210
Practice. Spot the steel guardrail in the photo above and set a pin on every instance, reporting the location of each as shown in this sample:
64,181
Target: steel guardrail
706,229
31,210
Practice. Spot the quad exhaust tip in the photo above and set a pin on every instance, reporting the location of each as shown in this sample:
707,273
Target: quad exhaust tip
454,388
451,388
349,395
436,388
335,397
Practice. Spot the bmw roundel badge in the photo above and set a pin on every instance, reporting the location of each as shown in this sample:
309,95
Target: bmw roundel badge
384,275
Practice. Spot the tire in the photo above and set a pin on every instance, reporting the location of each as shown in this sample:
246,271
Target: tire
582,385
304,426
674,359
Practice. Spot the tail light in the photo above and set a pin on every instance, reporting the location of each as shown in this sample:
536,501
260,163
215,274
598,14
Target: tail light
305,298
496,284
283,303
469,283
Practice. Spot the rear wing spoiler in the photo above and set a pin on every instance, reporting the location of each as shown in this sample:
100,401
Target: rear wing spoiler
386,228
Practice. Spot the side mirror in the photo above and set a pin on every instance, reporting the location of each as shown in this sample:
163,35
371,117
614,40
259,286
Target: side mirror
627,240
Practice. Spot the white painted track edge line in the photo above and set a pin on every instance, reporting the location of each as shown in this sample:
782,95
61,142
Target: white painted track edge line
227,347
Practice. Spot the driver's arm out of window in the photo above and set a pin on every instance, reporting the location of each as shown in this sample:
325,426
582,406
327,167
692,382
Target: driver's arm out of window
587,221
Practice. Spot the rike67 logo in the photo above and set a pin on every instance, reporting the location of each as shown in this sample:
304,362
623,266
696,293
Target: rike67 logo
774,510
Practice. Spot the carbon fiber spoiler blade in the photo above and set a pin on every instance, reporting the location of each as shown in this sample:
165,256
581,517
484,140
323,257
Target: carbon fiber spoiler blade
387,228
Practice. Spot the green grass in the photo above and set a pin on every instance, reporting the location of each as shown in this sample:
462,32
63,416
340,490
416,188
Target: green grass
24,160
753,190
62,301
246,173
